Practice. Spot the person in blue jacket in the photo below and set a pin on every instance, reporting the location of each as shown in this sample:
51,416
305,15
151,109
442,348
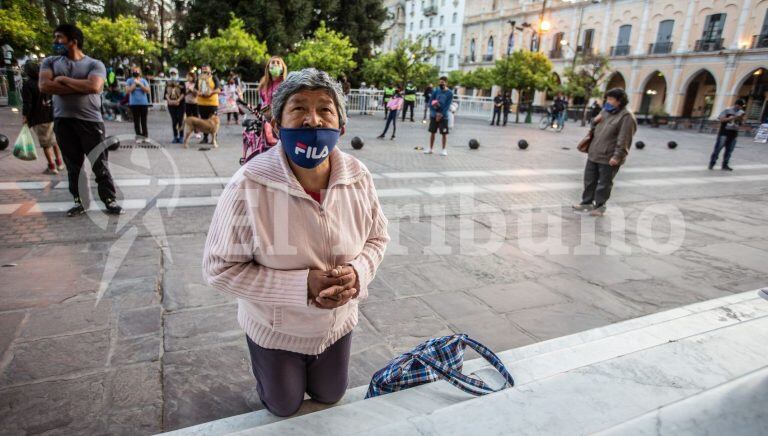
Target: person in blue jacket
439,105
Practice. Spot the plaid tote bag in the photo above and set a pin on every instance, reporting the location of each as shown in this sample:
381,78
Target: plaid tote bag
439,358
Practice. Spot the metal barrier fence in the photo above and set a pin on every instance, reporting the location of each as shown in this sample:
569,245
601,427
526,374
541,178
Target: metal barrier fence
359,101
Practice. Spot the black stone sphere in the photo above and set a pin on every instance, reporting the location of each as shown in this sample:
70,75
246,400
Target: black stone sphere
357,143
671,144
473,144
4,142
523,144
639,145
113,143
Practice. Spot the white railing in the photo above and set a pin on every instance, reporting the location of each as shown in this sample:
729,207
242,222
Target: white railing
359,101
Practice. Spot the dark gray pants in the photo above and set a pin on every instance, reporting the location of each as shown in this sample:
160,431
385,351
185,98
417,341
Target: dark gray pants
282,377
598,182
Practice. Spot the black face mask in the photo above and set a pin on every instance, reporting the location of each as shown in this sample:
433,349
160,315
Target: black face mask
135,74
442,86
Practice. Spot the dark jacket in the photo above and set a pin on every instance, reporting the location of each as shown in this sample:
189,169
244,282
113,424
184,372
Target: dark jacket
36,106
613,137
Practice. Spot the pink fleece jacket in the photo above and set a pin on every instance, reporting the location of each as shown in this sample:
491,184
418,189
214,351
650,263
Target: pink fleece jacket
267,233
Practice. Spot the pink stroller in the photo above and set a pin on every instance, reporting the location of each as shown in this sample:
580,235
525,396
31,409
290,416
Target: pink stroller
257,132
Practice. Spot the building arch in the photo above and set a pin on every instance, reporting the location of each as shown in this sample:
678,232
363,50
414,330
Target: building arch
616,80
753,88
654,93
699,96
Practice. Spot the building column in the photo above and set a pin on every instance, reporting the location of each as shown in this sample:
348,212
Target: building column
724,95
572,38
640,49
633,93
741,28
682,43
606,26
673,93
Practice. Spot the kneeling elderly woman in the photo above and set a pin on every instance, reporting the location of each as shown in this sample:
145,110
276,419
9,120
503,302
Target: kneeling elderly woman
297,236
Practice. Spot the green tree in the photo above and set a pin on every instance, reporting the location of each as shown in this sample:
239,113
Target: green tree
327,50
362,21
585,79
479,78
108,40
524,71
24,27
456,78
225,51
407,62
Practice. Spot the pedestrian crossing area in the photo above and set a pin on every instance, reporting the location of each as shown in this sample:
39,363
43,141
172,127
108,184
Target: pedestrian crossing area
424,184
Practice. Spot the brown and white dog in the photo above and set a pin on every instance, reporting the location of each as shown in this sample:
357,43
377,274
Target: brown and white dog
209,126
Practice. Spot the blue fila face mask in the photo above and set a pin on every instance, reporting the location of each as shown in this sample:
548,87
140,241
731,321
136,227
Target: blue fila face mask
308,147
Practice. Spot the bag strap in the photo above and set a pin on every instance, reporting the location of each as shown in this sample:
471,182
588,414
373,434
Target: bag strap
491,357
474,386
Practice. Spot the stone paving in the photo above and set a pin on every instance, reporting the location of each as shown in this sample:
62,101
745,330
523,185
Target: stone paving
106,325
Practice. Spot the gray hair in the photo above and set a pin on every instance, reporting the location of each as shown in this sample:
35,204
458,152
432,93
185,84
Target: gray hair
309,79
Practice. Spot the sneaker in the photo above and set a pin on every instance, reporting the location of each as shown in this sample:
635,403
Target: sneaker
711,166
392,138
60,166
582,207
597,212
77,210
380,137
726,168
444,152
428,151
113,208
52,171
763,293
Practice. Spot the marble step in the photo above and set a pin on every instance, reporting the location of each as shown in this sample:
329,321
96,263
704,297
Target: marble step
437,395
725,409
581,389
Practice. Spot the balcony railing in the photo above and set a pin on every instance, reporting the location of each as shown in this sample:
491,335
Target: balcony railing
429,10
759,41
660,48
555,54
487,58
620,50
469,59
708,45
586,51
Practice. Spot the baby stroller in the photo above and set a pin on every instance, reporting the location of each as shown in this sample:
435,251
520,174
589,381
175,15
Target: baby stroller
257,132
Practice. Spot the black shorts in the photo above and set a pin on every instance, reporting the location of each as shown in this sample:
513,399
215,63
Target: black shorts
442,125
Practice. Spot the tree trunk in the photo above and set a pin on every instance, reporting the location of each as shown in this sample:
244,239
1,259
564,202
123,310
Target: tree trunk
584,111
517,109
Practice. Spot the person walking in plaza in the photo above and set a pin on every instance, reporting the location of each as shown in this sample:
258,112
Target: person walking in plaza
427,98
76,81
190,95
439,107
730,122
37,114
274,74
394,105
115,104
208,89
594,110
612,133
228,101
174,98
389,92
505,105
138,91
363,99
300,274
409,100
560,107
498,103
